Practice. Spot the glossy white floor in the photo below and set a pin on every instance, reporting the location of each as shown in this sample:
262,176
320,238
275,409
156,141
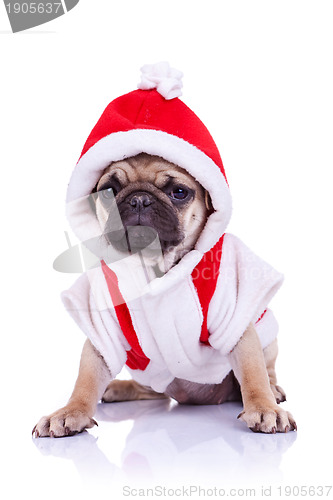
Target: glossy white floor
158,443
158,446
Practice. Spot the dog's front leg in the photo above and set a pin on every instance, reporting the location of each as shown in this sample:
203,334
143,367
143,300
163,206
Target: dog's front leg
77,414
261,413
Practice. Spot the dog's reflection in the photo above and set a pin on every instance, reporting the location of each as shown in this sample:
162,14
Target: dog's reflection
171,442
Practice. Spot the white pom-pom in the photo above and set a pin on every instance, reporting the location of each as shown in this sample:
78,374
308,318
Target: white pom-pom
160,76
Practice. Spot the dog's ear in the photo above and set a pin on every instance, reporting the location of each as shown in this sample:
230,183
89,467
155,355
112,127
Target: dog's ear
208,202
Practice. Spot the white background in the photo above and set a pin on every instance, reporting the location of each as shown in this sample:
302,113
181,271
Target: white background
259,74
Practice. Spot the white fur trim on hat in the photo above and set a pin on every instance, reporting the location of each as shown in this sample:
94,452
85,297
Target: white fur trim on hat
160,76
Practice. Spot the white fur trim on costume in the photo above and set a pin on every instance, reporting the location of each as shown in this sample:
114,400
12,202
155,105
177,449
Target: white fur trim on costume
168,317
121,145
267,328
245,286
89,305
166,80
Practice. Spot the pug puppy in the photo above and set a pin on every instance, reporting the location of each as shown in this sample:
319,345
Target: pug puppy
155,198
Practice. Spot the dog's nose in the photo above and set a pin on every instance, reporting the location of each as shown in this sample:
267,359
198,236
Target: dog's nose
140,201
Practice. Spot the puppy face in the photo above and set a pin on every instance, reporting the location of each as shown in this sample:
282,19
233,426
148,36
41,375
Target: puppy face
153,198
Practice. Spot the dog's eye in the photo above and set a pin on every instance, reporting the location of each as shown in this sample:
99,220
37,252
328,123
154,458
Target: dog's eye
108,193
109,189
179,193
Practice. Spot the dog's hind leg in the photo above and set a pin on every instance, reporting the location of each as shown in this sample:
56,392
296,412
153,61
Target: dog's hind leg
129,390
270,355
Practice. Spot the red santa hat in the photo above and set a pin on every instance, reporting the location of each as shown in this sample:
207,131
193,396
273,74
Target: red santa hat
154,120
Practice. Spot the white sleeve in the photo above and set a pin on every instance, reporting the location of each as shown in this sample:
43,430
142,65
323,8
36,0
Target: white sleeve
98,323
245,286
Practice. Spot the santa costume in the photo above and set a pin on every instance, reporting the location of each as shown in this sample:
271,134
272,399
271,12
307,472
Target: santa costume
185,323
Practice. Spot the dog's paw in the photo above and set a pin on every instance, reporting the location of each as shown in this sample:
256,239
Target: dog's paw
65,422
269,419
279,394
129,390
